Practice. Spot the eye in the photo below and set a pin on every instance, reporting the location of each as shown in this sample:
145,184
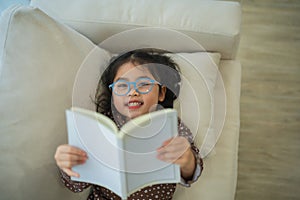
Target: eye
144,84
121,85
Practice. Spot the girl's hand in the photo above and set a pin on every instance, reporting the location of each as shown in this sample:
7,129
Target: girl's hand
67,156
177,150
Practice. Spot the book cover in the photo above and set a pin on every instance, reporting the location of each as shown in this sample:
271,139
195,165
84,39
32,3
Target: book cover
123,161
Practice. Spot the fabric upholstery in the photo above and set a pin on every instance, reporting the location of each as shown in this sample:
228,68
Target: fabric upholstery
39,61
219,177
213,24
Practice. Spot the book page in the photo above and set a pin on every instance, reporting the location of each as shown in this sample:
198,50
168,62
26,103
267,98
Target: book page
101,145
140,143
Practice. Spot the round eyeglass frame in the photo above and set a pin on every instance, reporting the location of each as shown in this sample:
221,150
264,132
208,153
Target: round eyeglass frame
134,83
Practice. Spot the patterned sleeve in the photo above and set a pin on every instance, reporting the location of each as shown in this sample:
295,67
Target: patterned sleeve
184,131
74,186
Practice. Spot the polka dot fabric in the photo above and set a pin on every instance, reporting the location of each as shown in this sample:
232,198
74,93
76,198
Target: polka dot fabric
159,191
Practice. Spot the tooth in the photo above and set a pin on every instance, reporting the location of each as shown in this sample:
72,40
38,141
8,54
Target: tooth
134,103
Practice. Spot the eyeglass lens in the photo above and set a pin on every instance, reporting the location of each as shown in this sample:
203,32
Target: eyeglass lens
142,86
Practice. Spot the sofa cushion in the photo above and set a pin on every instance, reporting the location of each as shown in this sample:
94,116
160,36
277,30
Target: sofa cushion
219,177
195,104
213,24
39,61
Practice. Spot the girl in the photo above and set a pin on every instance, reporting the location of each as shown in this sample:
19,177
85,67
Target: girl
156,84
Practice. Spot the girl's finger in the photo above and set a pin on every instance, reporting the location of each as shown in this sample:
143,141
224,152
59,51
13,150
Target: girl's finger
69,164
167,143
70,172
71,149
178,148
169,156
71,157
178,157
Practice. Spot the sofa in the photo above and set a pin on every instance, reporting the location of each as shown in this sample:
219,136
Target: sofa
51,53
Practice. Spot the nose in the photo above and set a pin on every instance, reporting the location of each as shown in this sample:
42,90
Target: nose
132,91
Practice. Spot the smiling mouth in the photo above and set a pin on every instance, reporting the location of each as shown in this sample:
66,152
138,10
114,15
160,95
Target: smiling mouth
134,104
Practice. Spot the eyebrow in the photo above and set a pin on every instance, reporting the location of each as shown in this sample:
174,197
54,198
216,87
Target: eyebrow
126,79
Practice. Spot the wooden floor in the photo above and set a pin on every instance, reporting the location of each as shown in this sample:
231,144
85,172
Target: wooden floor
269,149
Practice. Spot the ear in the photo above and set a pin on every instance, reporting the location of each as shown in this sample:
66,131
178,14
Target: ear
162,94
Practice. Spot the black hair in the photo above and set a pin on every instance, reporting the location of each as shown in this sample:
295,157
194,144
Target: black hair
162,67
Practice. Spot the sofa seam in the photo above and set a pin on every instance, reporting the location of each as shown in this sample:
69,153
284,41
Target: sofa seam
157,25
8,23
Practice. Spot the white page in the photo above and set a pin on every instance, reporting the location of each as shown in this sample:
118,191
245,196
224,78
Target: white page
102,166
140,156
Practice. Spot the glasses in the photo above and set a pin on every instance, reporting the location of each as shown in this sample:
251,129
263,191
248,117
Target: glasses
141,85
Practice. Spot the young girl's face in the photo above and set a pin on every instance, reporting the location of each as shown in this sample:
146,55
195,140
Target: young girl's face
135,104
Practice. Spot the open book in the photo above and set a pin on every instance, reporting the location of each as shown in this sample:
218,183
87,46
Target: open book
123,161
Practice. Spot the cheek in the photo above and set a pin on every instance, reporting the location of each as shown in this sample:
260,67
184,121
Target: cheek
117,101
152,98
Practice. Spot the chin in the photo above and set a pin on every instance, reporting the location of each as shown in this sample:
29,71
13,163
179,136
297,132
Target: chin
134,114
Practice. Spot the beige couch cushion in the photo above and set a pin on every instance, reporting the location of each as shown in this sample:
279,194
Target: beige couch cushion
39,61
219,177
195,104
213,24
